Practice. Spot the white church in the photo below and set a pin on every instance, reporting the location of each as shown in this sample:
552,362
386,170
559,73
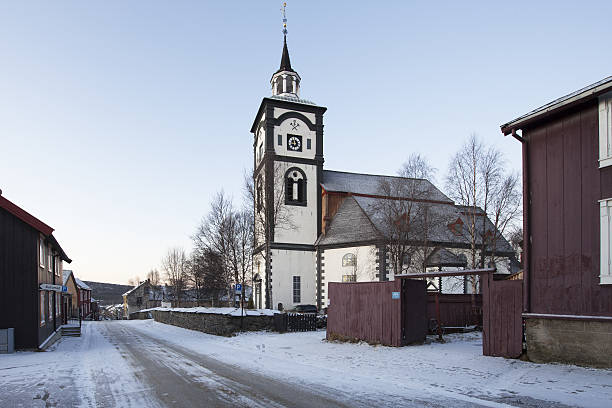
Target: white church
319,226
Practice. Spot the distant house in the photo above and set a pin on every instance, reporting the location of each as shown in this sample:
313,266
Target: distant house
143,296
70,298
84,297
567,250
31,269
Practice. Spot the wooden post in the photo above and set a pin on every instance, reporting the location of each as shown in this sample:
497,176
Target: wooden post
438,316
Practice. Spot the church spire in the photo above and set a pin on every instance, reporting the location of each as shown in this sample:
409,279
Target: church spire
285,61
285,81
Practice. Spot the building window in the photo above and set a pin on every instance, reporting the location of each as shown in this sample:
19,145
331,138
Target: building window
349,278
57,304
49,263
41,250
259,192
297,295
50,306
605,130
349,260
308,144
42,308
280,140
295,187
605,207
260,150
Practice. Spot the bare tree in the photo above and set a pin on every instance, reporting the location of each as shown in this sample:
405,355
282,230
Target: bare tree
154,282
135,281
270,213
408,216
477,180
174,265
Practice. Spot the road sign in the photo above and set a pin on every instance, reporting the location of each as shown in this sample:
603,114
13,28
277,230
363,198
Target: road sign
48,286
238,288
395,295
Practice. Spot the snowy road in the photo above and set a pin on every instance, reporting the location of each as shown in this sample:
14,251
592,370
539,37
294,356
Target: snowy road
148,364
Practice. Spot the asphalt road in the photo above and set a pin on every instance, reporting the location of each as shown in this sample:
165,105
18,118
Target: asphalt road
180,377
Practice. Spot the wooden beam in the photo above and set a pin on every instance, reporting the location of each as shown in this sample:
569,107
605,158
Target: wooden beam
447,273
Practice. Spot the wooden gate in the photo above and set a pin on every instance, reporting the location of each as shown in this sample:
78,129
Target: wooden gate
502,331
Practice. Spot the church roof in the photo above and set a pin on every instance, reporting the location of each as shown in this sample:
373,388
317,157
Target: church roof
350,224
285,64
370,184
444,257
359,219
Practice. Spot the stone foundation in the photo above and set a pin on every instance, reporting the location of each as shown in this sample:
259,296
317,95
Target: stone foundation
218,324
582,342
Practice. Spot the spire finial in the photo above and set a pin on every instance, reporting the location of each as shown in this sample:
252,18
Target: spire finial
284,19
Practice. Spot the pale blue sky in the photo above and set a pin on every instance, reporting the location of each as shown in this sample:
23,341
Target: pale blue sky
119,120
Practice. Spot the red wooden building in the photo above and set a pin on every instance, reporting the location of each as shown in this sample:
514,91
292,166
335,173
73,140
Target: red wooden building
30,277
567,187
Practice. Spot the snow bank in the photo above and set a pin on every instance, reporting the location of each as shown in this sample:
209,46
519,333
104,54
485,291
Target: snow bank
228,311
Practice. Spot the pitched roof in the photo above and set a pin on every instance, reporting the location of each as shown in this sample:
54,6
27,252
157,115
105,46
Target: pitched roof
565,102
25,216
359,220
350,224
444,257
370,184
80,284
66,273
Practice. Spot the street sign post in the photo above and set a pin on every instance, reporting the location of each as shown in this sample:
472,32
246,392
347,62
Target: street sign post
238,288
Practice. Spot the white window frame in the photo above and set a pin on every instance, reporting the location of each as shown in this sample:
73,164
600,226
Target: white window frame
297,290
605,130
49,259
605,228
42,308
41,250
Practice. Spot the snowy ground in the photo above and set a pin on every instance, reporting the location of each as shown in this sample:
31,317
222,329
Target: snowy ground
131,363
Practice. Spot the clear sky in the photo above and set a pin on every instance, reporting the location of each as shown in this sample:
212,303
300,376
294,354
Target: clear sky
119,120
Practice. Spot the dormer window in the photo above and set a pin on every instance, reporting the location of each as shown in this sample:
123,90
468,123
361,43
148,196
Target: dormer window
295,187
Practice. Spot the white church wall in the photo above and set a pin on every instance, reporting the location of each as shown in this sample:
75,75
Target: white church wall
285,128
333,270
279,111
285,265
304,218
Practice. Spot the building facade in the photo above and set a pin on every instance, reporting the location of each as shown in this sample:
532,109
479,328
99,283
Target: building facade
31,262
567,188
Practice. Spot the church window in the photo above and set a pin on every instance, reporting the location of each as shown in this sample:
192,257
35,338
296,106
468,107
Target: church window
260,150
295,187
308,144
279,85
289,84
349,278
280,140
259,193
349,260
297,290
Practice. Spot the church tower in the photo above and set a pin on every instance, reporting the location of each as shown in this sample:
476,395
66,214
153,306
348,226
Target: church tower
288,170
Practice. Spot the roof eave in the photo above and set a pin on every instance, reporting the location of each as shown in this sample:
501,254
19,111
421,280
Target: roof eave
563,103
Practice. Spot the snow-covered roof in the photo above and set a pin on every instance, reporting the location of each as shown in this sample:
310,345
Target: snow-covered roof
80,284
66,273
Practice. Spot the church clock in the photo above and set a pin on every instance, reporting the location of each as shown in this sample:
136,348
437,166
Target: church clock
294,143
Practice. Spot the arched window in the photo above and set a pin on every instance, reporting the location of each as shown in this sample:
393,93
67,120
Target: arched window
349,260
295,187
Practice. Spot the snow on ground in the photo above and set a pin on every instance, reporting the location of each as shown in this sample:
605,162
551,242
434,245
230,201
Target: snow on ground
456,369
83,371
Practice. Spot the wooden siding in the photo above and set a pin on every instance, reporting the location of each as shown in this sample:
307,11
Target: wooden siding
455,309
367,311
565,185
331,204
18,279
502,325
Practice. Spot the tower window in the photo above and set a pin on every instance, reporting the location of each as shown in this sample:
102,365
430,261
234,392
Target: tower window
259,193
295,187
289,84
280,140
308,144
279,85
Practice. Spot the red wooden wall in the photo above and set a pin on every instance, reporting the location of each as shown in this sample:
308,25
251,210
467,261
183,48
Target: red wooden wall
455,309
565,185
502,324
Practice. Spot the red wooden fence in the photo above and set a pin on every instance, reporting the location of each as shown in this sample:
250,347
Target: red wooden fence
370,312
502,325
456,310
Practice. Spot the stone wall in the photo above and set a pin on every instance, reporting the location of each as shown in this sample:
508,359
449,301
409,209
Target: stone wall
218,324
140,315
582,342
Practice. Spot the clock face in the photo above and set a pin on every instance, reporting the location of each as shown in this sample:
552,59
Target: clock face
294,143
